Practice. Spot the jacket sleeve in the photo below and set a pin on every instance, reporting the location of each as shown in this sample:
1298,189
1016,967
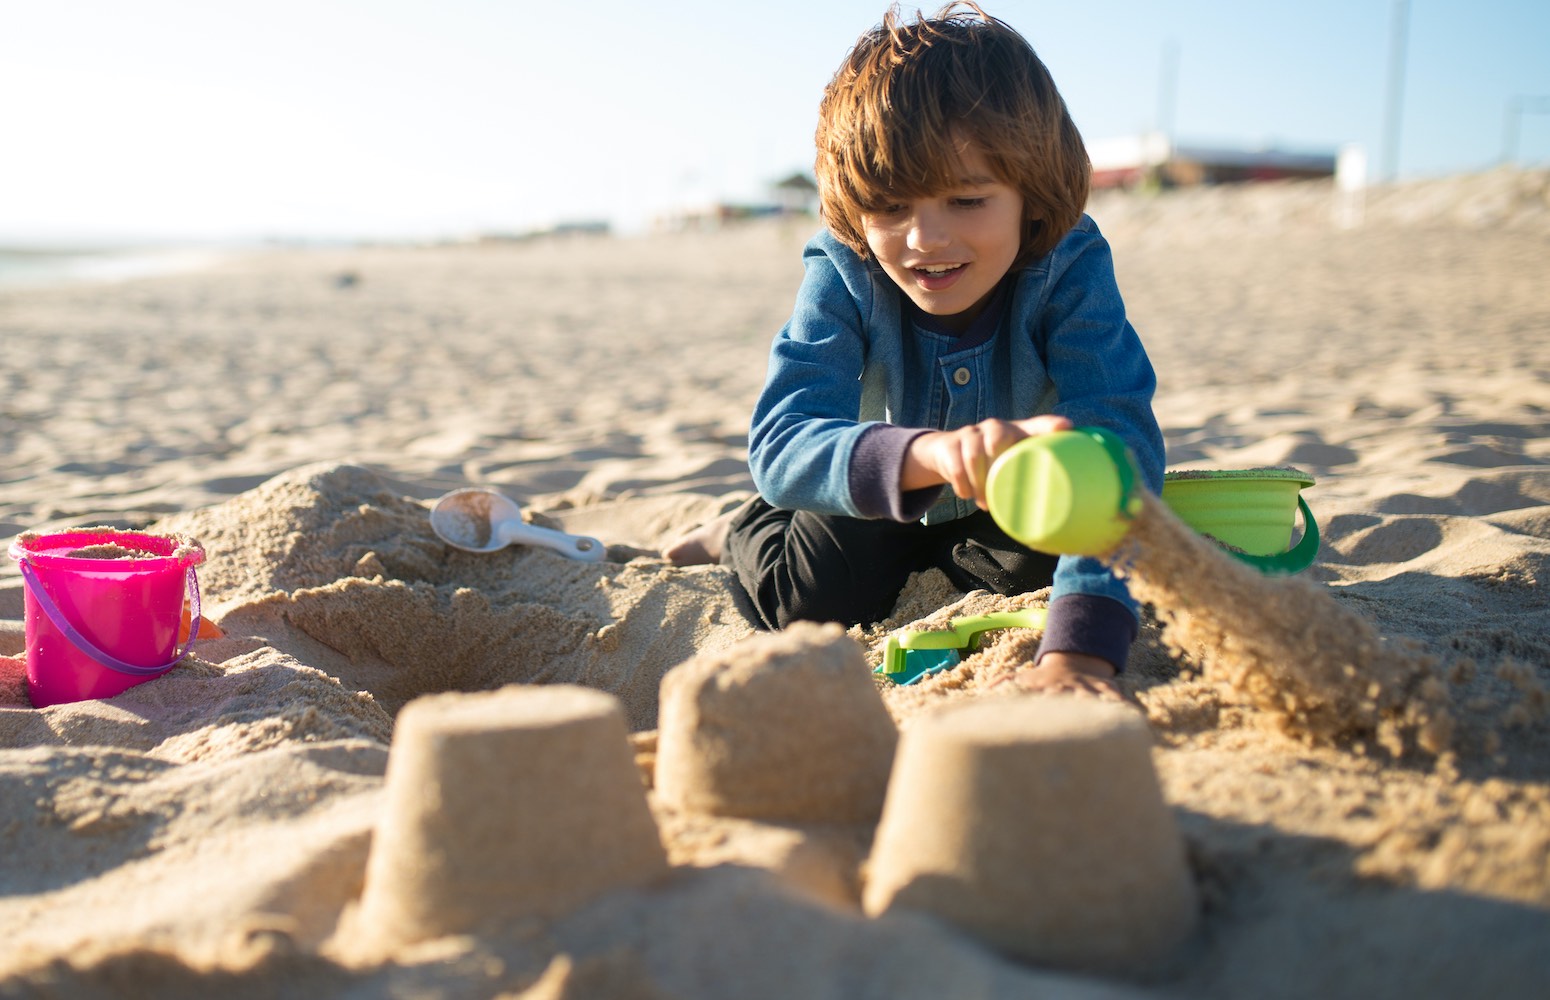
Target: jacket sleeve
1101,372
805,424
1103,378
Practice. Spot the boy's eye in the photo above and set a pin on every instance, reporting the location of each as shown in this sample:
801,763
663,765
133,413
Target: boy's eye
969,202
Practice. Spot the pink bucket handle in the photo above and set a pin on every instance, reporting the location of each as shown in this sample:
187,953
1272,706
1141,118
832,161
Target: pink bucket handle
88,647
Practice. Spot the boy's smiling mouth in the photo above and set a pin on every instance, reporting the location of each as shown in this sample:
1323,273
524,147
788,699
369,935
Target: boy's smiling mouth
936,277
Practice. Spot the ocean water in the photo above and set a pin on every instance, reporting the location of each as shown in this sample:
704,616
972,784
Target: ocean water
32,267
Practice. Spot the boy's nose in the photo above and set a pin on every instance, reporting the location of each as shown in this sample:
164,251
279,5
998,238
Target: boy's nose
926,232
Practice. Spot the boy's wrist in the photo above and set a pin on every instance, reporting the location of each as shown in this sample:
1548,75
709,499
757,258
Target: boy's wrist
1078,663
1091,626
917,471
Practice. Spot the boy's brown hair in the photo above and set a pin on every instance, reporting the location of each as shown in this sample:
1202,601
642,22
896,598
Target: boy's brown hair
908,93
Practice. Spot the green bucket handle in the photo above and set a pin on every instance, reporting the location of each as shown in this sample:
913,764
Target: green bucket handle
1295,559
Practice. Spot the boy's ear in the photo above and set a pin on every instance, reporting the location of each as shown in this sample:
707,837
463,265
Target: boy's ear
1033,228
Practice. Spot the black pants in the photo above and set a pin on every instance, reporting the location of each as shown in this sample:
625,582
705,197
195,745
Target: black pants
799,566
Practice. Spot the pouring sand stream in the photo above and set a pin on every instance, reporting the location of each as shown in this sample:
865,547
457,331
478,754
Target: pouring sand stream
1319,670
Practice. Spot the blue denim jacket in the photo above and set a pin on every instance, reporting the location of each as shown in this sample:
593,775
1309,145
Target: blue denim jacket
849,358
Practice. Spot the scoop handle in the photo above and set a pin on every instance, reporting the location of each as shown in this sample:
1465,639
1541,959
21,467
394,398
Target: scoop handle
583,548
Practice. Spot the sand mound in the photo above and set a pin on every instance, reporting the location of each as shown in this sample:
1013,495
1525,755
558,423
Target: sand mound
329,564
1105,887
788,729
206,712
504,805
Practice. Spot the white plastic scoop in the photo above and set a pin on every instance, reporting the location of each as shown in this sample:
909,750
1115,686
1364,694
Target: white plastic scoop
477,519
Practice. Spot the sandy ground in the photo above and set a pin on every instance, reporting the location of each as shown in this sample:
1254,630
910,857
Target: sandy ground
297,412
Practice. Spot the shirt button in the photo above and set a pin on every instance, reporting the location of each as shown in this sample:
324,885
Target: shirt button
962,376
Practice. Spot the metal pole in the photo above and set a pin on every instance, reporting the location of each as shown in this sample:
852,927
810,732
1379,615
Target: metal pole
1396,96
1512,125
1167,89
1510,131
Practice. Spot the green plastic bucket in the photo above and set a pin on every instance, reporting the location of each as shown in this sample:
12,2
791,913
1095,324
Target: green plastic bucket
1251,511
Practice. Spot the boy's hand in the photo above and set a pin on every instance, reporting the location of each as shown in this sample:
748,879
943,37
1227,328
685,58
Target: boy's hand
1068,673
962,458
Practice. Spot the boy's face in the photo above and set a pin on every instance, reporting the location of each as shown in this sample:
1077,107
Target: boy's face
948,251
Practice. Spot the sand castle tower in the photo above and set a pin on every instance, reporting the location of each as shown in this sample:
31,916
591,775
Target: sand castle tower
1037,825
787,727
522,802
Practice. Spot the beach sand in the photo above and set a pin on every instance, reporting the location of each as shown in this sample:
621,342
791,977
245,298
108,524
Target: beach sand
1357,759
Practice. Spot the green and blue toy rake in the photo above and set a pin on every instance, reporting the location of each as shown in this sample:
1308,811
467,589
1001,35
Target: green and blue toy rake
909,656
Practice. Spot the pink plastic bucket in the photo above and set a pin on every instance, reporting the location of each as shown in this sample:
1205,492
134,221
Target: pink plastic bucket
98,623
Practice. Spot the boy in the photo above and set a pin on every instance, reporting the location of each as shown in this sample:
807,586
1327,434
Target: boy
958,301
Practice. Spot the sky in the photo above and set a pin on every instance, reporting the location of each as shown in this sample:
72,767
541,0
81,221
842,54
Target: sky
412,119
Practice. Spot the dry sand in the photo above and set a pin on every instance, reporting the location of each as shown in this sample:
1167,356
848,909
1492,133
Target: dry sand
210,831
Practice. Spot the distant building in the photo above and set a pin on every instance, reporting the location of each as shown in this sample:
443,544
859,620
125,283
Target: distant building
575,227
796,195
1132,161
793,195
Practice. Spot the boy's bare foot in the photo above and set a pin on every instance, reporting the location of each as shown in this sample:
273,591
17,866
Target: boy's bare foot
1069,673
703,545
